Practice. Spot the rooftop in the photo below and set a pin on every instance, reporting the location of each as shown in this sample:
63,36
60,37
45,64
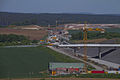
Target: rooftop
65,65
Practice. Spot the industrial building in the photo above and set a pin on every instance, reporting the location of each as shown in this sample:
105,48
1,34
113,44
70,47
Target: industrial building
65,68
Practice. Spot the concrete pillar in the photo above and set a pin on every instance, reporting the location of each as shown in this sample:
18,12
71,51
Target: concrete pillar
99,53
100,56
74,50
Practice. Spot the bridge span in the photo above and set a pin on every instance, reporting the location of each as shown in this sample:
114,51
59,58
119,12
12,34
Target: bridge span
89,45
99,46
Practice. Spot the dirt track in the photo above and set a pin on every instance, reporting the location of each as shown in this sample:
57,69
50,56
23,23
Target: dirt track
91,41
31,34
62,79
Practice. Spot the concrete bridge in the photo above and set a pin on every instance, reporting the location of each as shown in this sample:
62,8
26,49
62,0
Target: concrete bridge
89,45
99,46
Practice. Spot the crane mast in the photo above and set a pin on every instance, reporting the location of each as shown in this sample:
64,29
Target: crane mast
85,47
85,30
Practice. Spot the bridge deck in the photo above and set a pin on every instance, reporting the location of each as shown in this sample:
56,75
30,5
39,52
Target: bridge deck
90,45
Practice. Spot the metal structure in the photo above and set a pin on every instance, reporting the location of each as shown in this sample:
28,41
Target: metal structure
85,47
85,30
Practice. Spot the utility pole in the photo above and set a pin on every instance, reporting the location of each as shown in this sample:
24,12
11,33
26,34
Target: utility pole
56,23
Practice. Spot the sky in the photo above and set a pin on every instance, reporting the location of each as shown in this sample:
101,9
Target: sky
61,6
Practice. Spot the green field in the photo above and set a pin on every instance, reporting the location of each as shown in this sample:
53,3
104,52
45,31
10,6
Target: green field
30,62
20,62
117,30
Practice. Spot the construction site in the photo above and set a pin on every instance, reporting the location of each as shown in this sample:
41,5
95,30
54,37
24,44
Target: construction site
60,40
103,55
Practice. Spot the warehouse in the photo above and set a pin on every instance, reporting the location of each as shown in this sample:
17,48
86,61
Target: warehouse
65,68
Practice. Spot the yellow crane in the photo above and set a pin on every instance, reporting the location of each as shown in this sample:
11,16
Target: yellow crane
85,30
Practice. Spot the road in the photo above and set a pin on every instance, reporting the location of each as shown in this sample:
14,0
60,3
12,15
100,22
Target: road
20,46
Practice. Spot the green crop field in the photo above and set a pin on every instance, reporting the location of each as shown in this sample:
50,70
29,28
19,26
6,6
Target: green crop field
117,30
20,62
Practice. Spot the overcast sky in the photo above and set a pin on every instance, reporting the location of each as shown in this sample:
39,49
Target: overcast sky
61,6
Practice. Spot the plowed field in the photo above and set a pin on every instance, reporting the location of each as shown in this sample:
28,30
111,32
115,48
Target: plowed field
31,34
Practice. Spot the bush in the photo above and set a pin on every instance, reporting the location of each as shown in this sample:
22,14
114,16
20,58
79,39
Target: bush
13,39
95,35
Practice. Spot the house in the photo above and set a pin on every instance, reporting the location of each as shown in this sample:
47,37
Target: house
65,68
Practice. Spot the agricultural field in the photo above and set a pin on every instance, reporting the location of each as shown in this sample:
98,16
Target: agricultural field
31,34
20,62
113,30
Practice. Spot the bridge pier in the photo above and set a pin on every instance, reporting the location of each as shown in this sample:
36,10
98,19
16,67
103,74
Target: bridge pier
74,50
99,53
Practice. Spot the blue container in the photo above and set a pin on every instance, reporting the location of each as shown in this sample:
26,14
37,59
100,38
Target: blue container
119,69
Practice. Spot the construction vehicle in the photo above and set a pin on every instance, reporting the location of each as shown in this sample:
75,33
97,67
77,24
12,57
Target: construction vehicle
53,72
41,40
54,38
50,44
96,29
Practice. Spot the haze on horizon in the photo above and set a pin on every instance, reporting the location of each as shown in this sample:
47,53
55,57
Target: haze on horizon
61,6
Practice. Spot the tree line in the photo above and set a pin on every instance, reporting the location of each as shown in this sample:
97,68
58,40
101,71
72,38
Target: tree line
12,39
45,19
95,35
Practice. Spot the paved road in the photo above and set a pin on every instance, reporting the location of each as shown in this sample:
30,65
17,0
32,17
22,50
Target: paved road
20,46
107,63
65,53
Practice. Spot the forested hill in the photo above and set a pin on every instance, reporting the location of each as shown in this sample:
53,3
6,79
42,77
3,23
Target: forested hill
50,18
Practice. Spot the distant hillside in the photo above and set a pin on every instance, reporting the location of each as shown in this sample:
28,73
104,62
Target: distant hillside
44,19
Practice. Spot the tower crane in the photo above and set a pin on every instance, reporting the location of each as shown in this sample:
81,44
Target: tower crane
85,30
